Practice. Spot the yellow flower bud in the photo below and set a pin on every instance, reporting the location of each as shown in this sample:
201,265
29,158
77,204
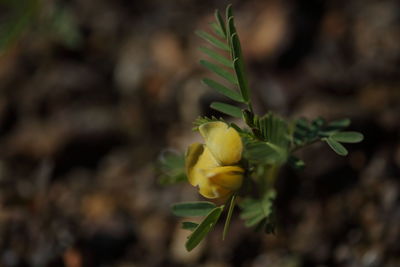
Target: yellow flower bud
223,141
212,166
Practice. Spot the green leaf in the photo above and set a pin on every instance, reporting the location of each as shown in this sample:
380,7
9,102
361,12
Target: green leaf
241,78
228,15
254,220
169,179
302,123
334,127
189,226
238,62
213,40
336,146
305,132
263,153
231,26
347,137
229,216
171,167
275,131
256,211
214,55
223,90
217,29
190,209
227,109
219,70
220,22
203,228
343,123
250,212
248,117
317,123
231,31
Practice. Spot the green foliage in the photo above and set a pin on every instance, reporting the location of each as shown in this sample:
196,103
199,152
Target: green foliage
171,167
220,23
215,55
189,226
232,68
347,137
336,146
272,139
339,124
203,228
218,70
223,90
257,212
229,216
318,130
213,40
227,109
269,141
190,209
238,62
306,132
217,29
258,152
273,129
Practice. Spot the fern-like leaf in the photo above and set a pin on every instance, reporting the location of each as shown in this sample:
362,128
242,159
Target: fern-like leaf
232,68
213,40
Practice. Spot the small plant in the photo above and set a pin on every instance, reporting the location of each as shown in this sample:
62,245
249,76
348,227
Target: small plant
239,166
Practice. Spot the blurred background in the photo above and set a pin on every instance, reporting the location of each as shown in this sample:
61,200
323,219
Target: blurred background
91,92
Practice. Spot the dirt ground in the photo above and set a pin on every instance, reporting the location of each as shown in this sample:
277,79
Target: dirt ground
91,92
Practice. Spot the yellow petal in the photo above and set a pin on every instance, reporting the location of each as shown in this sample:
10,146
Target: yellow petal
223,141
220,182
212,191
228,177
204,171
191,158
198,160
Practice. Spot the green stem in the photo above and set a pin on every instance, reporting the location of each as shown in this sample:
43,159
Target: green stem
229,216
304,145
